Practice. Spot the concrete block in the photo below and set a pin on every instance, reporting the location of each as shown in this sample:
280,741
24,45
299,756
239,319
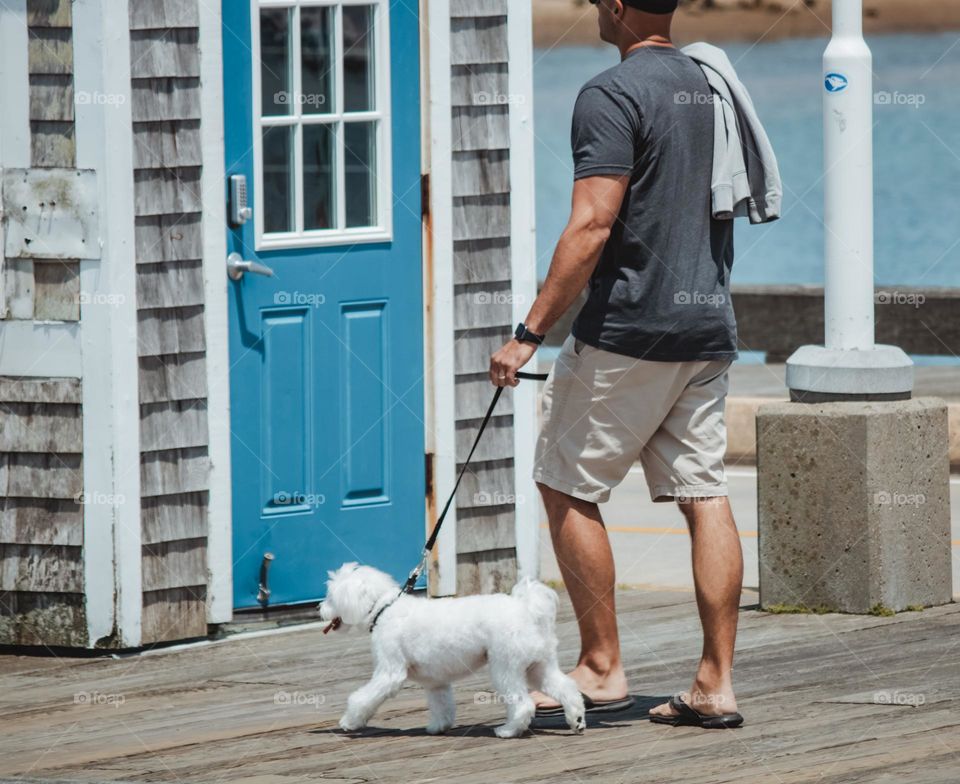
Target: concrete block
854,504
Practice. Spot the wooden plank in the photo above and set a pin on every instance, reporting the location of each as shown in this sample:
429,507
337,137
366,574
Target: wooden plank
484,529
45,619
49,13
152,15
479,85
474,392
48,475
467,8
488,484
50,50
482,173
173,471
41,427
479,305
480,128
17,289
53,144
166,144
41,568
176,614
169,237
173,425
477,40
40,390
496,444
41,521
170,331
166,518
51,97
154,100
170,284
494,571
481,217
164,53
165,191
474,347
56,295
173,377
177,564
475,261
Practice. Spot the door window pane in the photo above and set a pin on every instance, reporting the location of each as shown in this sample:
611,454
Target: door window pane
277,178
319,209
359,142
275,61
316,54
358,58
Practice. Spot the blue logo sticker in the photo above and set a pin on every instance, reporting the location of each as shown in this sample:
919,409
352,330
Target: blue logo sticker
835,82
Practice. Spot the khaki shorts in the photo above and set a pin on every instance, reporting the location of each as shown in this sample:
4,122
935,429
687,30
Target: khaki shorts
602,411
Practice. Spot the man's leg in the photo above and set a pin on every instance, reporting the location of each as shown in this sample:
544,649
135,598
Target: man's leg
718,578
583,552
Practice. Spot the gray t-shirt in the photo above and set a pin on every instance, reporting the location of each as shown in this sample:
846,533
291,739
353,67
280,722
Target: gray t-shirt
661,290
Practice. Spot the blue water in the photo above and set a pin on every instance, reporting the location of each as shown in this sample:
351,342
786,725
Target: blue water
916,148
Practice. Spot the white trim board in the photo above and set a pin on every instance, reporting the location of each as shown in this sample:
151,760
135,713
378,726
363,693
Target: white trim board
523,273
40,349
440,417
14,87
214,223
111,413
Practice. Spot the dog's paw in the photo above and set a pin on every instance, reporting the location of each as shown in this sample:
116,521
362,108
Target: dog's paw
437,729
351,725
577,723
504,731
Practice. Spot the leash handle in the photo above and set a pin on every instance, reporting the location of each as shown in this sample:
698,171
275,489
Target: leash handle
432,540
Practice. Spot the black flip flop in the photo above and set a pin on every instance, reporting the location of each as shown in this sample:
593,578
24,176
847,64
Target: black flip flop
690,717
591,706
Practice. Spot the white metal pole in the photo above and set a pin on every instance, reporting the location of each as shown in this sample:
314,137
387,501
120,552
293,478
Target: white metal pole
848,182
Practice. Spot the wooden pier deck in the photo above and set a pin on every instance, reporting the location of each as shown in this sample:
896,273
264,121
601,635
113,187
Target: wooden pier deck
826,698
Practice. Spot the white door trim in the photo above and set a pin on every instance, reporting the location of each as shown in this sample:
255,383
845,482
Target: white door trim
523,272
216,322
436,133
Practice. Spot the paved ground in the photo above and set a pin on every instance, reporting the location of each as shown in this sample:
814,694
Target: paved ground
827,699
650,541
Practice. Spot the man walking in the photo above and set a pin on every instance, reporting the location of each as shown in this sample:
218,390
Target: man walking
644,373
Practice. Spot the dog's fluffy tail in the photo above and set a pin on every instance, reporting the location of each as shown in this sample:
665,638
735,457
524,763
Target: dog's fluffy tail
540,601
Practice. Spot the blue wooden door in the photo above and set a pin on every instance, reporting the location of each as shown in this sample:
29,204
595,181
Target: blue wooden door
321,111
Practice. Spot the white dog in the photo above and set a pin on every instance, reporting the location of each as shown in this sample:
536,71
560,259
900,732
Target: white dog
436,641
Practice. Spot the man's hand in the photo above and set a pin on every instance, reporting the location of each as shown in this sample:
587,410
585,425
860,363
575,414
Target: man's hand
508,360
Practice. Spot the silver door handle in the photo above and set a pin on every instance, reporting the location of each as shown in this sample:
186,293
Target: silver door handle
237,265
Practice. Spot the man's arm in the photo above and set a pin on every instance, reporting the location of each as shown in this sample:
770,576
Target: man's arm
596,204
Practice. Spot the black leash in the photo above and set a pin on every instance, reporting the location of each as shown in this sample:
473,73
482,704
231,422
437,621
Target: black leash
432,539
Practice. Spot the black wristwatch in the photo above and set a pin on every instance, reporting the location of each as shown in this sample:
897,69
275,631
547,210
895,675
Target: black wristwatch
525,335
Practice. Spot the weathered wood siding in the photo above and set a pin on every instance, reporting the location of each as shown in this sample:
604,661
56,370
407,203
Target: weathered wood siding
165,76
41,512
41,461
486,540
39,288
